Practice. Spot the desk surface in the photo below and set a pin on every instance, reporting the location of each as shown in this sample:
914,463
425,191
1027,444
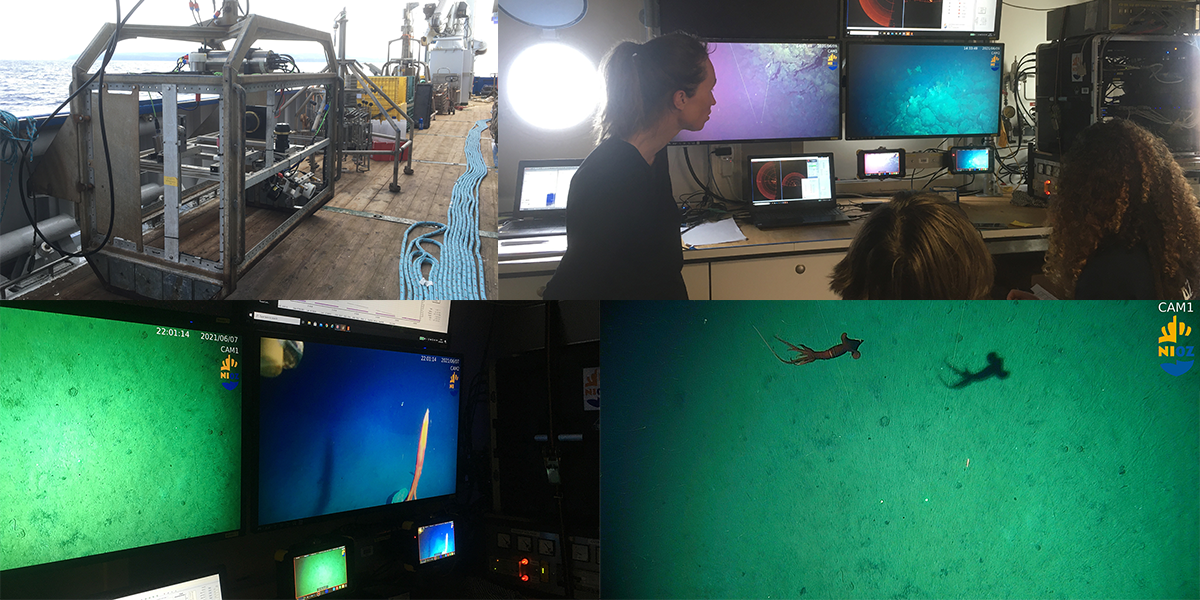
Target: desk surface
836,237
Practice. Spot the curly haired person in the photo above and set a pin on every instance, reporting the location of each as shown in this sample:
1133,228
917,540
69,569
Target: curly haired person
1125,224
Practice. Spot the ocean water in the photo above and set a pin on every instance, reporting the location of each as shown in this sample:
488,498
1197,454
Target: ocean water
36,87
728,474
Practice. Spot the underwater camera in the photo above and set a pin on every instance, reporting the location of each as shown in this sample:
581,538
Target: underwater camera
884,163
970,159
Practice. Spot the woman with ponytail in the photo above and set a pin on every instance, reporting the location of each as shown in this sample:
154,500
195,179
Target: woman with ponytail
622,222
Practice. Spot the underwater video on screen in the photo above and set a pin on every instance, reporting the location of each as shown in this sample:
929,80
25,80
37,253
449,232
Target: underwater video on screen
117,435
344,428
772,92
320,573
435,542
905,91
879,164
1069,424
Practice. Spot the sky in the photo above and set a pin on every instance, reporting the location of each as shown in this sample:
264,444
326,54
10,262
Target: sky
34,36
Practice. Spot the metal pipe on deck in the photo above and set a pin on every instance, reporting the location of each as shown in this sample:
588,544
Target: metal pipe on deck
151,192
18,242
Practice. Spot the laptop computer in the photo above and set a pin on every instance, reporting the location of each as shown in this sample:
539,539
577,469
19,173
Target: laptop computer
792,189
541,200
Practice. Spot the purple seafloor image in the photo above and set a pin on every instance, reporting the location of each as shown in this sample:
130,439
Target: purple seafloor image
772,91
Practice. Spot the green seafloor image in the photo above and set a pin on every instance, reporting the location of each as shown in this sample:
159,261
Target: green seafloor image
321,572
114,435
972,450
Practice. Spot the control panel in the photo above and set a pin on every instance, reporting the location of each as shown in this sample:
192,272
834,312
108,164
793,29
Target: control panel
527,558
1043,174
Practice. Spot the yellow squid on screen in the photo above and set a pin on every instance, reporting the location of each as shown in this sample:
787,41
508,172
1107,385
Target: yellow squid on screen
412,490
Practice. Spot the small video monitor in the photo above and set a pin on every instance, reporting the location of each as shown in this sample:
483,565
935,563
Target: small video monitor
435,542
320,573
883,163
970,159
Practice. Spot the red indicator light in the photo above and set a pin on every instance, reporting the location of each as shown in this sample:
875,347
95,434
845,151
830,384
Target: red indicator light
524,561
524,578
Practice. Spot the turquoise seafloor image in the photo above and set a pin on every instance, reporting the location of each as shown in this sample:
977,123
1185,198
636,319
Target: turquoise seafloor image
730,474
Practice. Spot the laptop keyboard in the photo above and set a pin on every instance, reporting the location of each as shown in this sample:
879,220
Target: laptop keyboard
529,230
821,216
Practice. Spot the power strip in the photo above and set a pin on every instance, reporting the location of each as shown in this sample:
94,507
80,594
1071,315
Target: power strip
925,160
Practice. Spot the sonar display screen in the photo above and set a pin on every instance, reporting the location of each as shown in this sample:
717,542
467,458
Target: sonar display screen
772,92
923,18
908,91
117,435
344,428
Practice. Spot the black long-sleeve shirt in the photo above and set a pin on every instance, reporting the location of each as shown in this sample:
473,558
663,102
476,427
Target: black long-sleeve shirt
623,239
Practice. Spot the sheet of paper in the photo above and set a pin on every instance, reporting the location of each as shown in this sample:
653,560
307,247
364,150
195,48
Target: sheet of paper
714,233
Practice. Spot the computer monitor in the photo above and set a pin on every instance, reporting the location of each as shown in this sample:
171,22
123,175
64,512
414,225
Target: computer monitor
913,19
922,90
543,185
349,427
207,587
775,20
772,92
320,573
123,429
426,321
787,179
435,542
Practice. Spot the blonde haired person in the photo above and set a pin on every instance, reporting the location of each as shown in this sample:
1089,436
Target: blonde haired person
622,222
916,247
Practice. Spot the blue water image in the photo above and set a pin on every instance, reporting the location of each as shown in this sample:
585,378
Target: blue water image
897,91
341,431
436,541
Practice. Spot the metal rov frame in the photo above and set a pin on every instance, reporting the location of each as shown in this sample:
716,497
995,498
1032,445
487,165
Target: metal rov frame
211,161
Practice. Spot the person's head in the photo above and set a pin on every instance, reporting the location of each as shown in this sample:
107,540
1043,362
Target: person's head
916,247
1120,185
668,77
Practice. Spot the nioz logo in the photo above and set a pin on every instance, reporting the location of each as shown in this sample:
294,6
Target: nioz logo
230,378
1171,334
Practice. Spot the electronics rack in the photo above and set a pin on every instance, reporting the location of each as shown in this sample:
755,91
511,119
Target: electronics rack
1150,80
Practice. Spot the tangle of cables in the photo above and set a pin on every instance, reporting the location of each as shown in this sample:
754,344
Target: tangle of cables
456,273
28,149
10,148
707,204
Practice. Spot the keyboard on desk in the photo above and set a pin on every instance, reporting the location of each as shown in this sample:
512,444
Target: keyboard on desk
825,216
532,247
520,228
534,231
808,217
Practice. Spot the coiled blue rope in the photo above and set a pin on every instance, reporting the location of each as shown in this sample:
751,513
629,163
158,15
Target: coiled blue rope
456,273
10,148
